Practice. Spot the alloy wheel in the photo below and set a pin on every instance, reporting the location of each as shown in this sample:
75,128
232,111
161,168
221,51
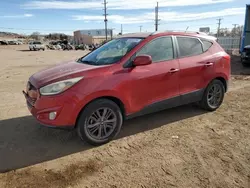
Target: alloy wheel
101,123
214,95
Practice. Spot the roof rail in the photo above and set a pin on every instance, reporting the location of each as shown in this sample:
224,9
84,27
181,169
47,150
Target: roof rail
197,32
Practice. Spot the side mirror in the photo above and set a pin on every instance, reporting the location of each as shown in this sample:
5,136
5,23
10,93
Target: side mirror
142,60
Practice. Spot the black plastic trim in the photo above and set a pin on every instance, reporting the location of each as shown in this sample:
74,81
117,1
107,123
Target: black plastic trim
183,99
64,127
157,106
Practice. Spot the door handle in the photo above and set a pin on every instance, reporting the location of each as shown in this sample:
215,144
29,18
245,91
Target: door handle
173,70
209,64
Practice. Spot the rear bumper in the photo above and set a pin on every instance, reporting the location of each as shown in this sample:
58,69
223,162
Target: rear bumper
43,106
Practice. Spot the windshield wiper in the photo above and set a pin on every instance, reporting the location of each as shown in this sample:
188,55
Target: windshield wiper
86,62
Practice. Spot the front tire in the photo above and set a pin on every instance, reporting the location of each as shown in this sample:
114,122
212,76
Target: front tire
213,96
244,64
99,122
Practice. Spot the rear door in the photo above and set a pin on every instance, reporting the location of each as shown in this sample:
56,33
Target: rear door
194,64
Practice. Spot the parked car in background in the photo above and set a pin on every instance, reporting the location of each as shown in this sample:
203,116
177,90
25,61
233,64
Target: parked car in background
92,47
36,45
80,47
19,42
3,42
245,56
129,76
13,42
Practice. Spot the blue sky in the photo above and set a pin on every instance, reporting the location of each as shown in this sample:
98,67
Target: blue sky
45,16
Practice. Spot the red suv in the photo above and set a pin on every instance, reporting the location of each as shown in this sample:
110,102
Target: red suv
129,76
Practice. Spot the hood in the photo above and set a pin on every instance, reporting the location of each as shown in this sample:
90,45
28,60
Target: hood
60,72
247,47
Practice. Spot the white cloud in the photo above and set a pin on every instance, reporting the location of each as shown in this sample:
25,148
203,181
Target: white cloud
28,15
164,16
17,16
177,16
115,4
115,18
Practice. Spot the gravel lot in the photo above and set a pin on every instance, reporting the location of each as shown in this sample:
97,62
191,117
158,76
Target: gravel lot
181,147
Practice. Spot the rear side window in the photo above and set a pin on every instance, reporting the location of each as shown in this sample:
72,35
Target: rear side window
206,44
189,46
160,49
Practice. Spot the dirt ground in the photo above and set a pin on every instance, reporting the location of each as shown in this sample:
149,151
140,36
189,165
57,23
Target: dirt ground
182,147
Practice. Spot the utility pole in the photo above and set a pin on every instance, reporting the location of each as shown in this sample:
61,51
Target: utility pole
121,29
219,23
105,19
234,29
156,17
140,27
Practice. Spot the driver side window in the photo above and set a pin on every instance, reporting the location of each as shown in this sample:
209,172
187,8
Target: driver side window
160,49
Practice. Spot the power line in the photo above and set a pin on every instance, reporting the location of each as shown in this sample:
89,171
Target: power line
105,19
219,23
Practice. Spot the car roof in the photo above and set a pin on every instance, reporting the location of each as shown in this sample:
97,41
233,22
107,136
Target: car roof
136,35
165,33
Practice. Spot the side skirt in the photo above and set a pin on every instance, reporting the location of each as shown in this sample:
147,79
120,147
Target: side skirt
187,98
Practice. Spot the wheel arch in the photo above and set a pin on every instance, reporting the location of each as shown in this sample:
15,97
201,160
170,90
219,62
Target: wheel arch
223,80
116,100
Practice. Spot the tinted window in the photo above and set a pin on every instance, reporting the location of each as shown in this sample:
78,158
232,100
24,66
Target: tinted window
189,46
37,43
160,49
206,44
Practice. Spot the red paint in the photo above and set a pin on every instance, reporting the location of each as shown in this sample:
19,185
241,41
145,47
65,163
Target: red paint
135,87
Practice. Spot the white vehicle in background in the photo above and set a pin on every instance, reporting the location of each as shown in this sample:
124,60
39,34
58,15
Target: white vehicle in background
36,45
13,42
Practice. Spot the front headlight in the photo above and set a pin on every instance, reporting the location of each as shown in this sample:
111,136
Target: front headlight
58,87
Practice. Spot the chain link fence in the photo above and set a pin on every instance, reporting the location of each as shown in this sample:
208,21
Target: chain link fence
230,44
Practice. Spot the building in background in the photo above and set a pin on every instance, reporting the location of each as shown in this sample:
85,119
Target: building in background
91,36
204,29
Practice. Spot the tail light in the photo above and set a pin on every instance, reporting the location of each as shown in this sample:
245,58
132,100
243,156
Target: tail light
227,57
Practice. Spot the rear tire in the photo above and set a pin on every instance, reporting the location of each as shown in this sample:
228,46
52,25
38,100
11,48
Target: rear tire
213,96
99,122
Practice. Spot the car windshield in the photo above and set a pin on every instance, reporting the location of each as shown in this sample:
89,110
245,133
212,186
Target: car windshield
110,52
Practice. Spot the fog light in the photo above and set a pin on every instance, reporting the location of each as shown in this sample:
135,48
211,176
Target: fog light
52,115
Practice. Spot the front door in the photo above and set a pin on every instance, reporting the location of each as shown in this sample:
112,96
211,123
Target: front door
158,82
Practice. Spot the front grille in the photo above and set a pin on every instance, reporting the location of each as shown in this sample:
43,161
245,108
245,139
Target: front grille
29,105
30,87
31,95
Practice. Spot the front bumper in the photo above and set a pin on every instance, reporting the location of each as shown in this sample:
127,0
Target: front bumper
245,59
44,105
